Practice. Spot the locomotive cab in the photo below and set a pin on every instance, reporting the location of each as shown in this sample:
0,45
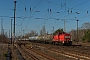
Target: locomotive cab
68,39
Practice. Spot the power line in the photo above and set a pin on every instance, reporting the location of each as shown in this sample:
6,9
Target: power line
31,9
79,4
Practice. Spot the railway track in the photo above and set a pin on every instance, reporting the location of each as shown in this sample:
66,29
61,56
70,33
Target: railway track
8,57
34,54
26,53
73,52
31,55
77,52
19,54
13,53
41,54
71,55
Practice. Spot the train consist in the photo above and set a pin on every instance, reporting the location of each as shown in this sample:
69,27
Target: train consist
61,38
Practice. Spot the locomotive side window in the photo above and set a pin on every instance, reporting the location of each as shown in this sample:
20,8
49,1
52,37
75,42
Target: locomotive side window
67,36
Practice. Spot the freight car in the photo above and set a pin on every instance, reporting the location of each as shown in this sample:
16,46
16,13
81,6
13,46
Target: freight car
41,39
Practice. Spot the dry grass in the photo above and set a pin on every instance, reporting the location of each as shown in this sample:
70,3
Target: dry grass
3,51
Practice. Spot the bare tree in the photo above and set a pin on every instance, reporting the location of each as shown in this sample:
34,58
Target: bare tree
86,25
81,31
73,35
43,31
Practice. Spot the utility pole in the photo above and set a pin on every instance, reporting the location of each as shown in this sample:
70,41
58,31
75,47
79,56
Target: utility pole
77,31
23,33
9,34
64,25
14,19
53,29
11,31
2,28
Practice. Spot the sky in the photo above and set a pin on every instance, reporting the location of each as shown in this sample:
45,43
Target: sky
33,14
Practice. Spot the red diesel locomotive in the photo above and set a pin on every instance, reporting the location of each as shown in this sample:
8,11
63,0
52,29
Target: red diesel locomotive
63,38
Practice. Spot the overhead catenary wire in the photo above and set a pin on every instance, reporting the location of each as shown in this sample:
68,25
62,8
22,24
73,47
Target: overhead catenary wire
71,11
73,8
79,4
31,10
49,12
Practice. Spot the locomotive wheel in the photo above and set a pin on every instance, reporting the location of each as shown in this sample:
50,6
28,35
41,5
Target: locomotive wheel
70,43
